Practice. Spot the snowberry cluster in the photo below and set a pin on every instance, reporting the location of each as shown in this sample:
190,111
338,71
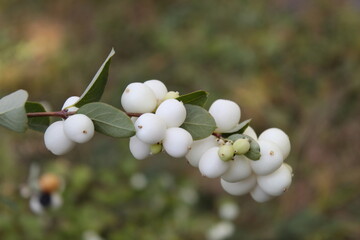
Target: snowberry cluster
158,127
219,157
60,137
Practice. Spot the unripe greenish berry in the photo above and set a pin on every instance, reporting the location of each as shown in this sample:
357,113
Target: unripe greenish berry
70,102
56,140
171,95
155,148
79,128
241,146
158,88
226,152
138,98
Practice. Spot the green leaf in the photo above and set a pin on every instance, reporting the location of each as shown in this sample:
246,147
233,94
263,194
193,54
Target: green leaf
37,123
12,111
108,119
195,98
95,89
254,152
199,123
240,128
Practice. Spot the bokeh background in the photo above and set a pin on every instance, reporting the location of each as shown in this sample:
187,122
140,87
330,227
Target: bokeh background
289,64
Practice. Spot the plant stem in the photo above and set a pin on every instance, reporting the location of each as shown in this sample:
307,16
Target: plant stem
62,114
66,114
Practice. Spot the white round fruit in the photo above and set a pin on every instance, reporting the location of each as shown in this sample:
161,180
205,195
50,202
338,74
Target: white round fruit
69,102
210,164
198,148
55,139
241,187
239,169
139,149
279,137
79,128
150,128
173,112
259,195
226,114
270,160
158,88
138,98
250,132
177,142
276,183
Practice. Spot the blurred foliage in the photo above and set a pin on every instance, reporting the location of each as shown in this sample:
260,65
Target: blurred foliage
289,64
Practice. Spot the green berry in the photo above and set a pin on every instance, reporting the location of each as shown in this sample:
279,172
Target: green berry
226,152
241,146
155,148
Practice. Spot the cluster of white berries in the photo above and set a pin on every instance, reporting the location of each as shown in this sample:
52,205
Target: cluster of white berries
218,157
158,127
60,137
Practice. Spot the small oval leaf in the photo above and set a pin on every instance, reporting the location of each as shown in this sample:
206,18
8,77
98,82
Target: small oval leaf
12,111
254,151
108,119
95,89
199,123
195,98
37,123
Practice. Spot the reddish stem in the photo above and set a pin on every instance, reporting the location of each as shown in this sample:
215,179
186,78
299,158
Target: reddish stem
66,114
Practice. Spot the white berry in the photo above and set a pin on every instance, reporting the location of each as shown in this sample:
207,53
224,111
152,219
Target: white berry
69,102
226,114
198,148
138,98
177,142
173,112
150,128
279,137
259,195
158,88
210,164
79,128
270,160
139,149
55,139
276,183
239,169
250,132
241,187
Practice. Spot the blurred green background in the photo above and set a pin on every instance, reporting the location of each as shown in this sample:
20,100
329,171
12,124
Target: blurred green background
289,64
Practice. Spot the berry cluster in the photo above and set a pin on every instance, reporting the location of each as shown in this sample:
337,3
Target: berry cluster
263,179
60,137
158,127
